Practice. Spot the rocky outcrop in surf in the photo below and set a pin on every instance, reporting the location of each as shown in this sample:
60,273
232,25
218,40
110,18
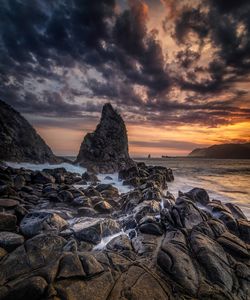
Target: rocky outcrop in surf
69,236
106,149
19,142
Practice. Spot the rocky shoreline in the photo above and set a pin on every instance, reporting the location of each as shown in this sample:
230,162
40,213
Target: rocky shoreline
67,236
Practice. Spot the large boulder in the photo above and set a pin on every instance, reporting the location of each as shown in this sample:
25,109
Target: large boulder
106,149
19,141
41,221
93,230
9,240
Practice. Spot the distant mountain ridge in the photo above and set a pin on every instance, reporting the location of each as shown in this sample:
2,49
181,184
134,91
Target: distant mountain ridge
223,151
19,141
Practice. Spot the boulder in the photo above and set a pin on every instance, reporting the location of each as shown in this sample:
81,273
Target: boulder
30,288
70,266
244,230
41,221
8,203
199,196
103,207
93,230
42,178
9,240
7,222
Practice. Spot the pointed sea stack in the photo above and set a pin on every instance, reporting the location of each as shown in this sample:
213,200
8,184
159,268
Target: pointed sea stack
19,142
106,149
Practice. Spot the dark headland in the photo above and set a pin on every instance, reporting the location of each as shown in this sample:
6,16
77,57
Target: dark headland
68,236
224,151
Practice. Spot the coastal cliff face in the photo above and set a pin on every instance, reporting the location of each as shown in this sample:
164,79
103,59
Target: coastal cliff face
106,149
225,151
19,142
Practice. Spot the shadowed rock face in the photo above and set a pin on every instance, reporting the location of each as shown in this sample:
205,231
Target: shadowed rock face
106,149
19,141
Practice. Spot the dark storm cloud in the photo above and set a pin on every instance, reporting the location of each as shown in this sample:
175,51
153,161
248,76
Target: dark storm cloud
227,25
37,36
43,41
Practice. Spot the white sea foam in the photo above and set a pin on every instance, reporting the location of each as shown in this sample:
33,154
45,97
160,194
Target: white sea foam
103,243
39,167
74,169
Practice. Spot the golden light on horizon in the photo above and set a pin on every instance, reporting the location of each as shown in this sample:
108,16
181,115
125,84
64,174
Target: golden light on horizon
180,140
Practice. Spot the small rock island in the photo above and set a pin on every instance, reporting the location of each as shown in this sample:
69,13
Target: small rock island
106,149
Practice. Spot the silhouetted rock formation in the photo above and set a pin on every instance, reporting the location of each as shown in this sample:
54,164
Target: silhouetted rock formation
106,149
224,151
19,141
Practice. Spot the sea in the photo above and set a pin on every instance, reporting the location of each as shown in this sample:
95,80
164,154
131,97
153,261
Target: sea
226,180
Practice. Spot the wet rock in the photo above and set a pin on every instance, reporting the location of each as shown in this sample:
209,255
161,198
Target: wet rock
2,253
103,207
217,227
104,187
81,201
137,283
42,178
229,221
233,245
19,181
149,225
91,192
236,211
7,222
8,203
152,193
244,230
38,222
129,173
145,244
159,180
92,230
174,259
65,196
188,213
10,241
70,266
120,243
35,253
198,196
213,258
90,265
133,182
151,207
29,288
27,189
98,288
90,177
86,212
131,200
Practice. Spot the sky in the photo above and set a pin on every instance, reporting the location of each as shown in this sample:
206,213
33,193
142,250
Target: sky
178,71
